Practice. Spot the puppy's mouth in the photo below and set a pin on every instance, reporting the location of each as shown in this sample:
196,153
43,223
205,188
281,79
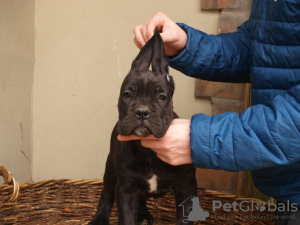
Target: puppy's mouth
153,124
141,131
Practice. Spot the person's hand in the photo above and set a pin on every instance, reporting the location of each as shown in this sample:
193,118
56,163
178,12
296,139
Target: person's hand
174,147
173,36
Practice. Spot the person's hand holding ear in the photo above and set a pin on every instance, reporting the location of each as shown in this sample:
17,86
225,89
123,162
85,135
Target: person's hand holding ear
173,36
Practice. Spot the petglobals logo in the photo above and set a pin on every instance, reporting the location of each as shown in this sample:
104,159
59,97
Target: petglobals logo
192,211
250,206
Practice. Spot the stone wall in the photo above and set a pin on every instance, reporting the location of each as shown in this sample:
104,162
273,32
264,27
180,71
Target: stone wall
225,97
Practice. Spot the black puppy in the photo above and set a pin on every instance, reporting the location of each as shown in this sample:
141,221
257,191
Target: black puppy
134,173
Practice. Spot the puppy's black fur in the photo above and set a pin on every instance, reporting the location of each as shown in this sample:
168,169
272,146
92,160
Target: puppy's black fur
145,107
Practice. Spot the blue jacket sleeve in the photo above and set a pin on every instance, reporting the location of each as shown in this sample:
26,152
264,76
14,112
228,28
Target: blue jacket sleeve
223,57
262,136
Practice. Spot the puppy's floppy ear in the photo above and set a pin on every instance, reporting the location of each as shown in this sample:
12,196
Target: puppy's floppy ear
152,53
143,60
159,58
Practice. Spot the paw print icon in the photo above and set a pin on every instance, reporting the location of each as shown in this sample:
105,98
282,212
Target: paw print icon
261,206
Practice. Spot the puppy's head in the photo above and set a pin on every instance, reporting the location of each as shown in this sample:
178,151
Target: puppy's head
145,102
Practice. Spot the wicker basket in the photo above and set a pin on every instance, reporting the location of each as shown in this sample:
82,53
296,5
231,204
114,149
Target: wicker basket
75,201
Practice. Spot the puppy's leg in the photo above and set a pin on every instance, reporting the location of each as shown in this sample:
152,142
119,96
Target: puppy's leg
108,194
144,217
184,192
128,205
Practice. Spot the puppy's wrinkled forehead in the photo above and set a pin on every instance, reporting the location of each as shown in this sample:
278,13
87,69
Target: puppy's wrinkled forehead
147,81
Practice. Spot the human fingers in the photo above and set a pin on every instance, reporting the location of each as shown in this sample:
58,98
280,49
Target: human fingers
179,120
158,20
143,33
137,43
174,160
161,154
138,36
173,36
133,137
163,158
154,144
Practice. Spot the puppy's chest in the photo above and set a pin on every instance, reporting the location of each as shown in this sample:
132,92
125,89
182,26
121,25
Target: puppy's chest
151,176
146,172
156,182
156,185
152,183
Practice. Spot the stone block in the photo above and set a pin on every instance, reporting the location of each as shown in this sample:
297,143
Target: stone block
218,180
221,105
219,90
230,19
220,4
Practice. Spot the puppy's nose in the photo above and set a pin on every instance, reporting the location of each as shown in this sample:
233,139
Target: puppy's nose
142,113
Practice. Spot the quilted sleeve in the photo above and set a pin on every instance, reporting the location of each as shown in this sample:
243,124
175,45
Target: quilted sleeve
263,136
223,57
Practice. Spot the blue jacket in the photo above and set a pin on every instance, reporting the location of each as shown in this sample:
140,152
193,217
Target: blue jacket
266,137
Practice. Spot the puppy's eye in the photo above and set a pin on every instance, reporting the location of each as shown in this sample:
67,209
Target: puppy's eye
162,98
127,95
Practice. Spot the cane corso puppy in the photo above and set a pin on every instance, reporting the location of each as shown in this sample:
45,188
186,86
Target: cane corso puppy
134,173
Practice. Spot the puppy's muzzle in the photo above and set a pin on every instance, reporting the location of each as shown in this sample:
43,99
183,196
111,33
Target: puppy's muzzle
142,113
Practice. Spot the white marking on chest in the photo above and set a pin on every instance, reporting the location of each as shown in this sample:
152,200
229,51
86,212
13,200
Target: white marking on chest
152,183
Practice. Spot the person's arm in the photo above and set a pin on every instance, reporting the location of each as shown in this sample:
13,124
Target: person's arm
223,57
262,136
